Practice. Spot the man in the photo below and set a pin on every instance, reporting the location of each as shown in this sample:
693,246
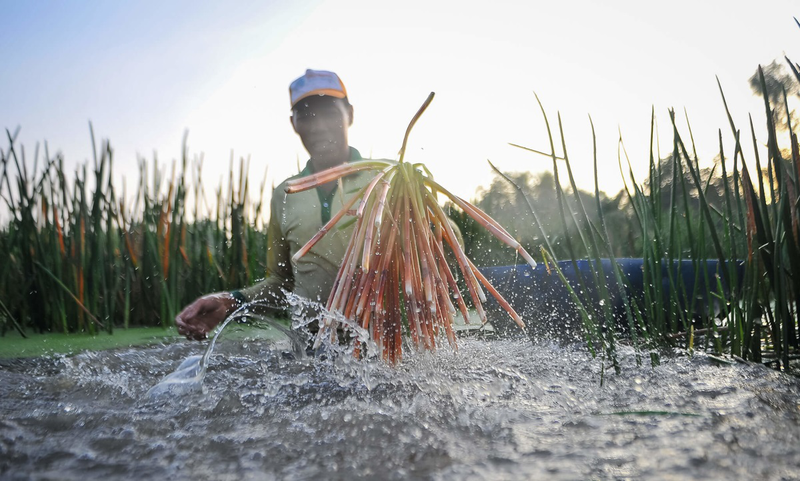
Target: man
321,116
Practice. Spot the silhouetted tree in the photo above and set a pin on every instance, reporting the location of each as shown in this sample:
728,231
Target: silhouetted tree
505,204
777,80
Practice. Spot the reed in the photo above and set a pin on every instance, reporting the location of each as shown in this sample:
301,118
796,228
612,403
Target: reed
740,217
82,257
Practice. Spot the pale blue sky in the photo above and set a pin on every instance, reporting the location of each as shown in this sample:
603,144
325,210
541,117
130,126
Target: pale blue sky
143,72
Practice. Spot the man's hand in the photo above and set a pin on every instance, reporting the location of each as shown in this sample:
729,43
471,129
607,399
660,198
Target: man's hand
204,314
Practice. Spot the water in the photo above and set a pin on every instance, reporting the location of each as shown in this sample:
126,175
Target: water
496,409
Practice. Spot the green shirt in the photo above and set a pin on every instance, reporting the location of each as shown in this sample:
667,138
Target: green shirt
294,219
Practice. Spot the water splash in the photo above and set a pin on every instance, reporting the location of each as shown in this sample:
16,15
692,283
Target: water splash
187,378
189,375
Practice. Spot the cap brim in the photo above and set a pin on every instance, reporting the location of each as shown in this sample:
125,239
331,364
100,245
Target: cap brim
329,92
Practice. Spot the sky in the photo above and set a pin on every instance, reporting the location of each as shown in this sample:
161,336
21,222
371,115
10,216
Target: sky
145,72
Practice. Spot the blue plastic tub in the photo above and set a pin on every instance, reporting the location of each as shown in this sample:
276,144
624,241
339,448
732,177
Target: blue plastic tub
546,306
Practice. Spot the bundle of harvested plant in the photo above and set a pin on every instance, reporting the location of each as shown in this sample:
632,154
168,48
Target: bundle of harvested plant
394,268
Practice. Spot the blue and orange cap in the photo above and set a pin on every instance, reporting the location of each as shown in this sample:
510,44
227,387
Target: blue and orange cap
316,82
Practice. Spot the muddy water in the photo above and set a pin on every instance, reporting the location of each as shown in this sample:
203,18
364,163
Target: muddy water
493,410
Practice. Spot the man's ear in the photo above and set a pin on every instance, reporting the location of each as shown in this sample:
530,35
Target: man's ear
291,121
350,113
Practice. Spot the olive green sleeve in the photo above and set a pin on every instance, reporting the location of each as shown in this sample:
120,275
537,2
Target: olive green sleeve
279,276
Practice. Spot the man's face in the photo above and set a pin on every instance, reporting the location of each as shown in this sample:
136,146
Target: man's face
322,123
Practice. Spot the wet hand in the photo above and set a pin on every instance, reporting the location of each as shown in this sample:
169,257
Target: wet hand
204,314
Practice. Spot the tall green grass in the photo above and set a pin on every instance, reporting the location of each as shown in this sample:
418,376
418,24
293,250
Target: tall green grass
80,256
741,211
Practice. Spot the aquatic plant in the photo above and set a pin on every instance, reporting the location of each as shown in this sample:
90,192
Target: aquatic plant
752,222
395,273
79,255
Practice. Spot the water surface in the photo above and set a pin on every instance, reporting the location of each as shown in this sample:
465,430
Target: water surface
496,409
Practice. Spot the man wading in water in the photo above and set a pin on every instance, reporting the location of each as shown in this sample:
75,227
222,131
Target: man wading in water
321,116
